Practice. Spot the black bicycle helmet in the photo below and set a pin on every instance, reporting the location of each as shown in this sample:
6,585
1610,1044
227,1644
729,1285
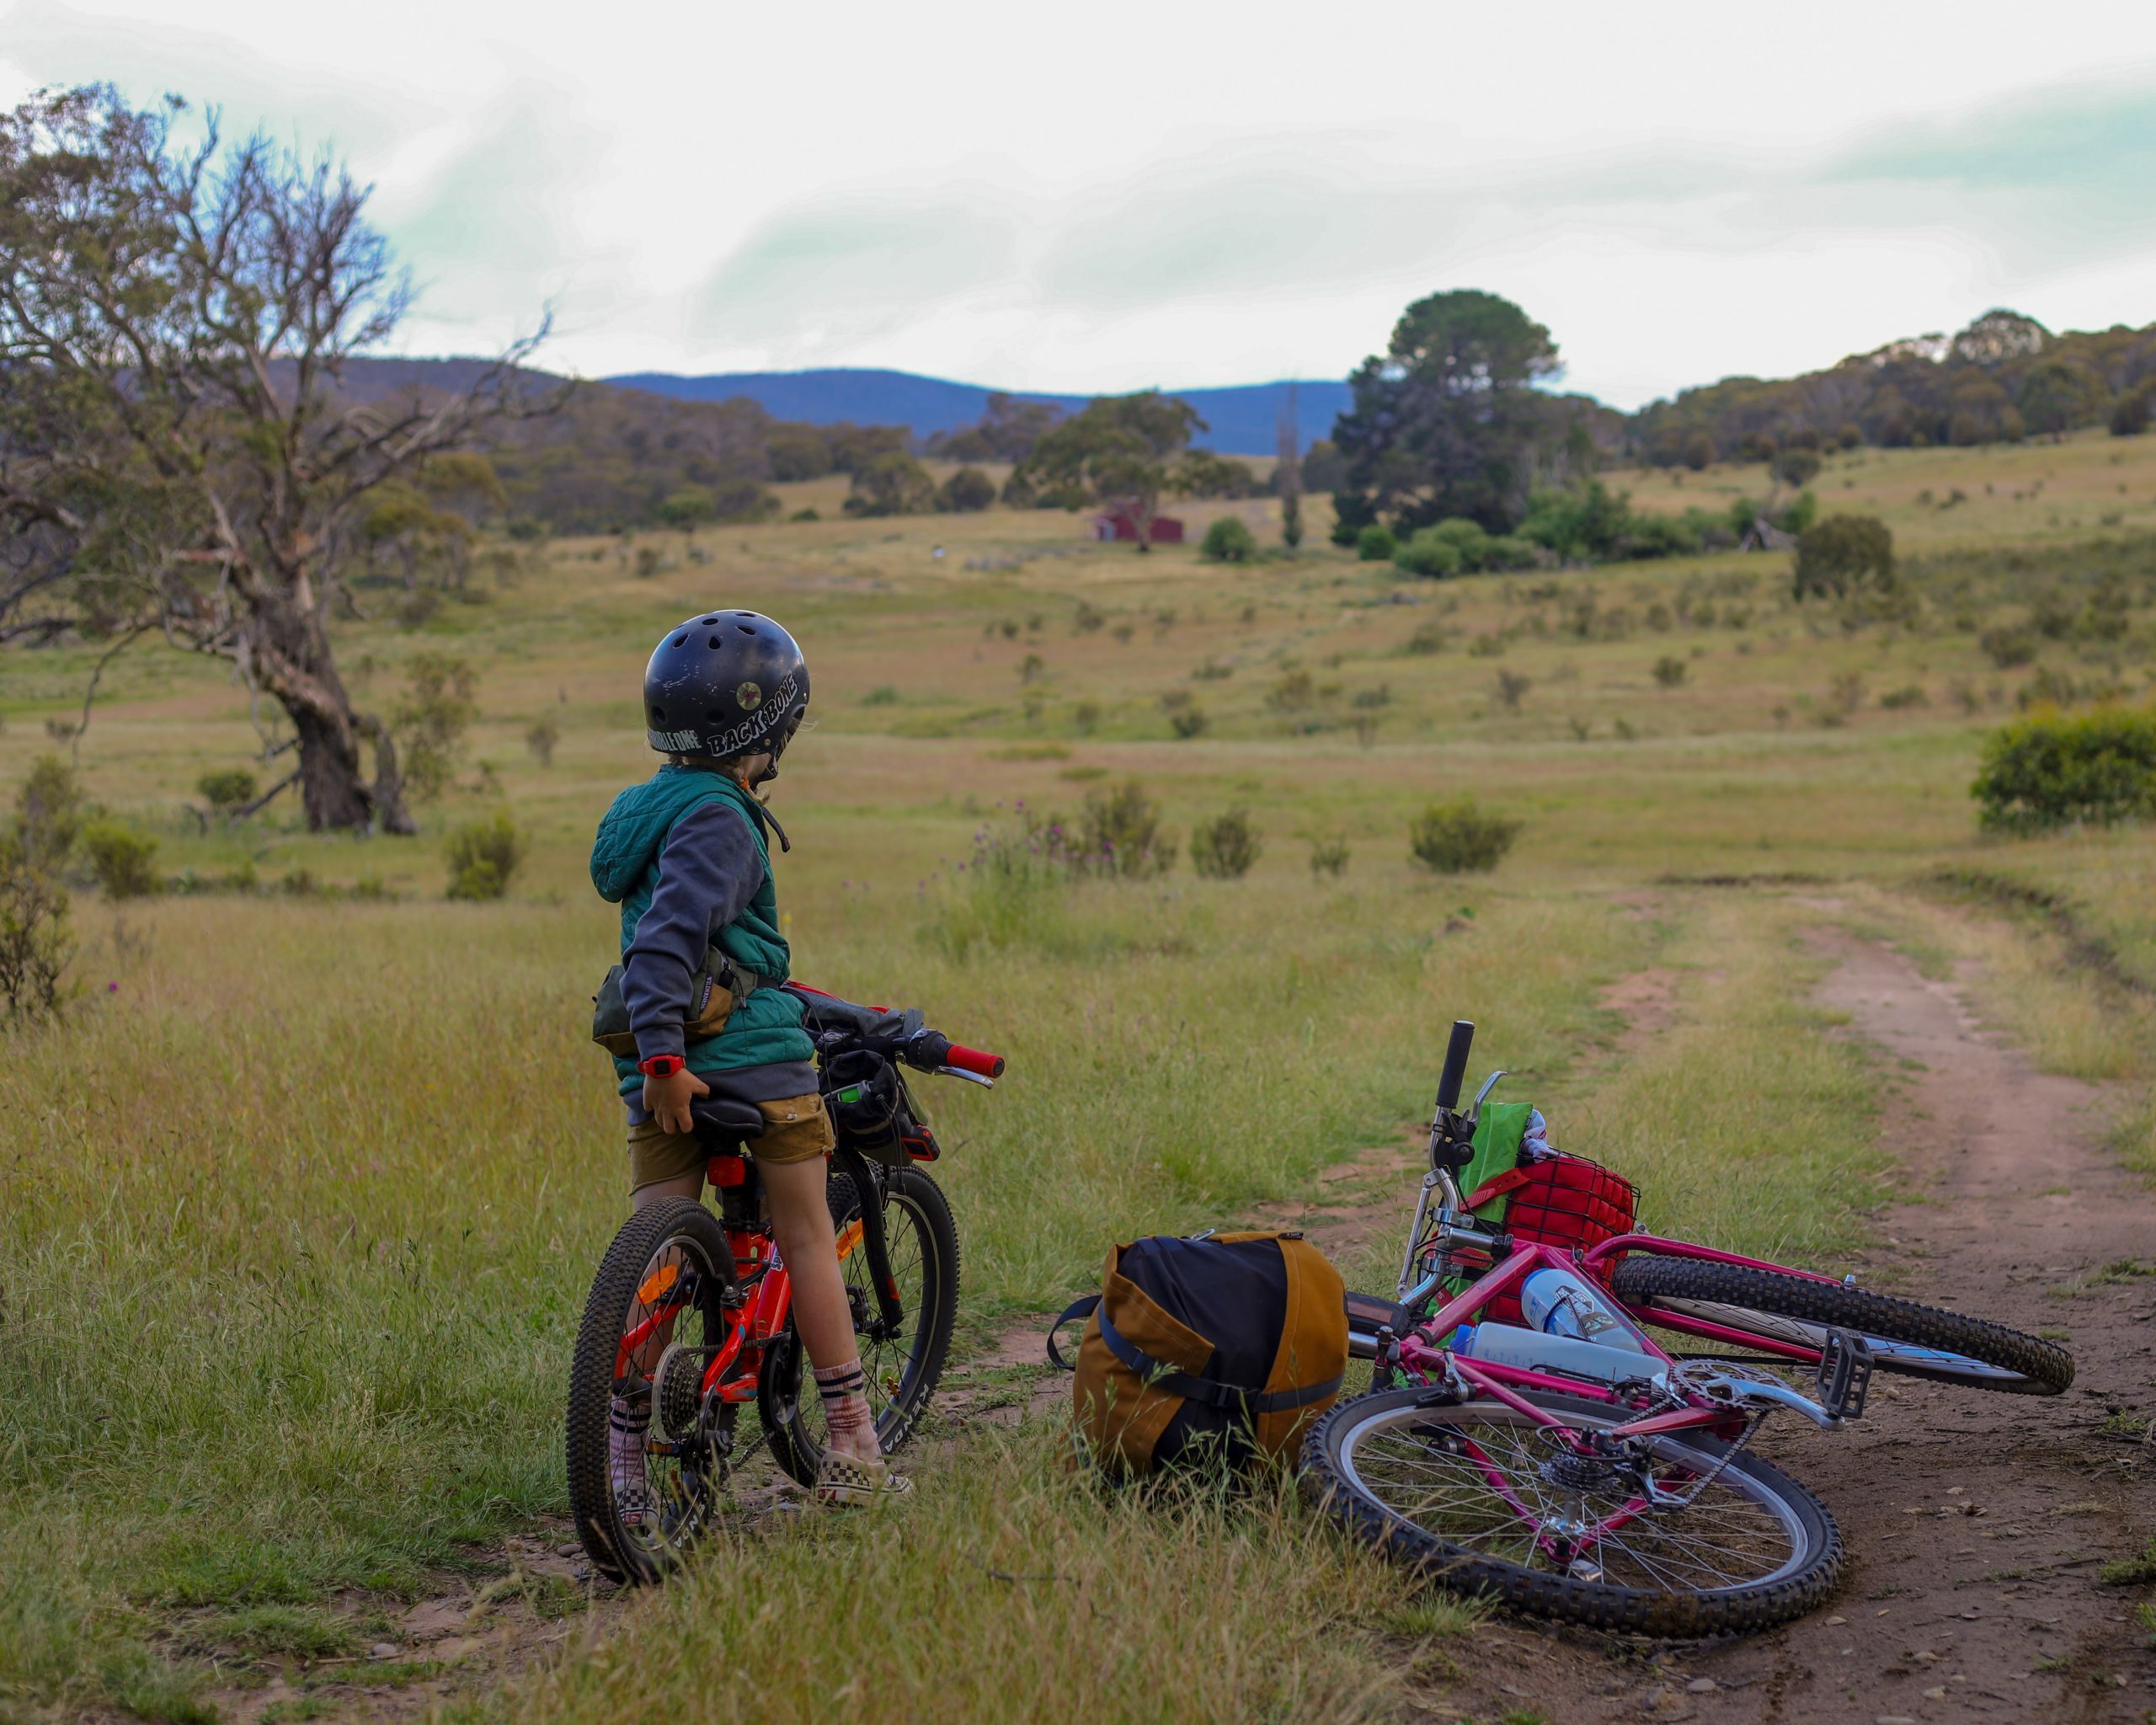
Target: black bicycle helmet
724,684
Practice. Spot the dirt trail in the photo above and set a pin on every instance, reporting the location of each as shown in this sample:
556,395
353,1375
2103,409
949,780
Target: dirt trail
1976,1524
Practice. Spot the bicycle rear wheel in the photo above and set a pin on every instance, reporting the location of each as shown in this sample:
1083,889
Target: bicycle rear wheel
1918,1341
1476,1497
902,1365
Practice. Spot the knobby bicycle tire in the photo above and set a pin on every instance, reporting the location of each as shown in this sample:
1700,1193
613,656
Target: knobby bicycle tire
1332,1481
1990,1356
591,1374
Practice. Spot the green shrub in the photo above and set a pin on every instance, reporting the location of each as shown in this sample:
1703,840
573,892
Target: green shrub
1845,554
429,723
1670,671
2008,645
1646,537
1225,848
1429,555
1120,834
542,736
1227,540
48,814
36,940
124,861
1375,543
226,791
965,492
1457,837
689,508
1188,721
483,855
1796,468
1428,638
1329,857
2049,770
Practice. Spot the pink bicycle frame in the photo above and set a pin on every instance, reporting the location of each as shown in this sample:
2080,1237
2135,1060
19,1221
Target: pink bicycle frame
1423,1358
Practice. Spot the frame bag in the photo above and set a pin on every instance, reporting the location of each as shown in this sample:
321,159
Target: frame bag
1219,1345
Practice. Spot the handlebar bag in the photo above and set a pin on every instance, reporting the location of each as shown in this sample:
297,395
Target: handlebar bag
1223,1346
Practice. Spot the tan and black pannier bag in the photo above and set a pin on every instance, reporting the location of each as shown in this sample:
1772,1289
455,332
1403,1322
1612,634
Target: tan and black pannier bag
1219,1345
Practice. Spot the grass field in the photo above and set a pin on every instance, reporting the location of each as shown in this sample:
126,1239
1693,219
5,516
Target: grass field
297,1211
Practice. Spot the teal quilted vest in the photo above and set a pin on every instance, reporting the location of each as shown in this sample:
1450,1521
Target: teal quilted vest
766,1028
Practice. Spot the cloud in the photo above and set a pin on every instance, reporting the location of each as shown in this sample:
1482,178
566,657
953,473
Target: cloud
690,192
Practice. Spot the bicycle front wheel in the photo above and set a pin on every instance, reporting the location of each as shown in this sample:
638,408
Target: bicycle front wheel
1918,1341
902,1364
1477,1497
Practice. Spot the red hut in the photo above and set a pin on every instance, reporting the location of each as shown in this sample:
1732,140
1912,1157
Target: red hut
1116,521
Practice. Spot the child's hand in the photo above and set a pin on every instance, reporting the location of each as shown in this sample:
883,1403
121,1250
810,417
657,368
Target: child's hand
667,1100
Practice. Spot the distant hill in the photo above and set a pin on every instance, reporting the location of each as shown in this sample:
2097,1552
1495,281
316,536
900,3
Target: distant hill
1241,420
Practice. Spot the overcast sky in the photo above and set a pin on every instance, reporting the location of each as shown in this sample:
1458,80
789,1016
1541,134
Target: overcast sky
1119,195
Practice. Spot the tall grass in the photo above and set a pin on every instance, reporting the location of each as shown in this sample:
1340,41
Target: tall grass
297,1221
1016,1592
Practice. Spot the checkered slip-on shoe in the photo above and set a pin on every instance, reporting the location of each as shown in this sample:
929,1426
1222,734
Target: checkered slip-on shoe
846,1481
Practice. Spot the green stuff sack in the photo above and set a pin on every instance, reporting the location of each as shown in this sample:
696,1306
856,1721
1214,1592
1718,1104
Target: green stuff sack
1498,1137
1219,1346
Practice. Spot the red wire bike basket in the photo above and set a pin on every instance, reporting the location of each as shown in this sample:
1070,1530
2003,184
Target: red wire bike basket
1564,1201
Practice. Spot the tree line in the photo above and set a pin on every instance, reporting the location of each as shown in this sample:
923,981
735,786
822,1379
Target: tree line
2004,379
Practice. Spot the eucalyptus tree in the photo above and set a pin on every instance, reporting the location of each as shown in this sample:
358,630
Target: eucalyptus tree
177,455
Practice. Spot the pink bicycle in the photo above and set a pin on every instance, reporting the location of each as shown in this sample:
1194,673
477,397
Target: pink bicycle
1527,1438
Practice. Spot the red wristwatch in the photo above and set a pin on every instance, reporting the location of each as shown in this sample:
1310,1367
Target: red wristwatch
660,1066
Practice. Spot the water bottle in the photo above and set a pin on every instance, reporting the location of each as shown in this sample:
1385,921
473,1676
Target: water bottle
1531,1350
1558,1303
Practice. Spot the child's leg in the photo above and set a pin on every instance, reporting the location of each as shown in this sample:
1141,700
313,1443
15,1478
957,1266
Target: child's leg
801,1222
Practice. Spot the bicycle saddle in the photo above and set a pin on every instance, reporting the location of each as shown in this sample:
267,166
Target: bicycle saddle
724,1118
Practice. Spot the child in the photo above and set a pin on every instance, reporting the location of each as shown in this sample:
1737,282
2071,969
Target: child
685,856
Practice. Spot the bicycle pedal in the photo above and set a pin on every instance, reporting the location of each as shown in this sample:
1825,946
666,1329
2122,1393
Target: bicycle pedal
1845,1374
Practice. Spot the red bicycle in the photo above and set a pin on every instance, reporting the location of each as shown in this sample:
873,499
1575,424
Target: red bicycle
690,1314
1528,1438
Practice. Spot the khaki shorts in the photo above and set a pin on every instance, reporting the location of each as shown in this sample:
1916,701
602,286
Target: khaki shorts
795,1129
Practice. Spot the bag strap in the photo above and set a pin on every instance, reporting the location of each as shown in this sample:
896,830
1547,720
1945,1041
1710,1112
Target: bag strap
1071,1313
1248,1402
1511,1180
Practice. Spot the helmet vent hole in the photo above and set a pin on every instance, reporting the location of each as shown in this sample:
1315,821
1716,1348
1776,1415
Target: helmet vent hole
715,717
658,716
712,642
746,629
709,621
681,640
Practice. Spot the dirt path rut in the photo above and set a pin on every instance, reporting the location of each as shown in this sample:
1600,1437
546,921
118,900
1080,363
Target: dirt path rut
1977,1524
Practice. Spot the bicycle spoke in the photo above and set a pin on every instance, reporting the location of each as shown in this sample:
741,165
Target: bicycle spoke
1490,1485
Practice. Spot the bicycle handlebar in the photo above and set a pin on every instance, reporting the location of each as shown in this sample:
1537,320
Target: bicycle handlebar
972,1060
1456,1071
931,1050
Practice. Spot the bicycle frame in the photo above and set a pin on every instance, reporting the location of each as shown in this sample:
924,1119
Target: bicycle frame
755,1321
1422,1353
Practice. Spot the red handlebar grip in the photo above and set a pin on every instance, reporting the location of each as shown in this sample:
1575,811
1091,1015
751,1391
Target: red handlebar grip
972,1060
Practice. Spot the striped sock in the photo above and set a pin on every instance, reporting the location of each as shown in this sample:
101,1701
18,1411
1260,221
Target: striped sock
844,1389
627,1427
